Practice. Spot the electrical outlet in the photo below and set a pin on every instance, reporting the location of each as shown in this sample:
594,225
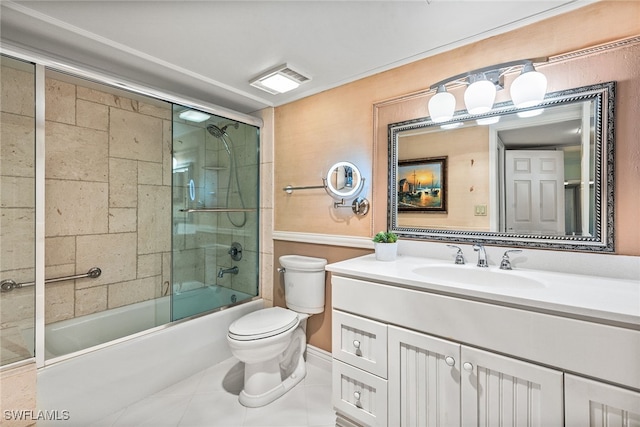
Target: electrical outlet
481,210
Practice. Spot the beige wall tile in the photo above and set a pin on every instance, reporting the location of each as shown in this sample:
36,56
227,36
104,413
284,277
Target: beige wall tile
154,219
60,101
76,153
60,302
76,207
135,136
123,188
92,115
17,192
17,134
149,173
17,308
160,111
149,265
17,88
123,220
105,98
17,233
115,254
60,250
167,156
91,300
133,291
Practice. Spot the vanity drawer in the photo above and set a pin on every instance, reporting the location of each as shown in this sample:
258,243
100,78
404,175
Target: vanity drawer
359,395
360,342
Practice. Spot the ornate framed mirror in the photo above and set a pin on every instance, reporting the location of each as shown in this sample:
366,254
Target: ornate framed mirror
536,177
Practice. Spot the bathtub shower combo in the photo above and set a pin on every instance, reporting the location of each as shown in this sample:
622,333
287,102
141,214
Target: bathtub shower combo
164,222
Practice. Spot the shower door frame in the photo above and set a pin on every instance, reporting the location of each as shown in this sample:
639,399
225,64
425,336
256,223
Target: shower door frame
45,62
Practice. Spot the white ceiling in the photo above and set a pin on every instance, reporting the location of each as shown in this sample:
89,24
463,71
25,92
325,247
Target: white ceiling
210,50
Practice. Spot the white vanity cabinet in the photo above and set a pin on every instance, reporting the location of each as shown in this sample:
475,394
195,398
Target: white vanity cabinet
435,382
427,359
595,404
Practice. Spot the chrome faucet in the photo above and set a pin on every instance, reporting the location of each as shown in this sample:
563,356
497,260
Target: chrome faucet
232,270
505,264
459,254
482,255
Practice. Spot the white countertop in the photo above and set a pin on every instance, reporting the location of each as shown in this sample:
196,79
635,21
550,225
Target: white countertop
609,300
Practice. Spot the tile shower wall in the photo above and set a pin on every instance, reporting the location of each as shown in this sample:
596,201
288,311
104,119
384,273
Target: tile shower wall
202,241
17,200
108,198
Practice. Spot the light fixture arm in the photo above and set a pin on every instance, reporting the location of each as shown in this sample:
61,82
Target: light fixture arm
492,72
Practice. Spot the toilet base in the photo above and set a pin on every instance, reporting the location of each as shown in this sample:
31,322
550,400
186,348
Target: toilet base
281,387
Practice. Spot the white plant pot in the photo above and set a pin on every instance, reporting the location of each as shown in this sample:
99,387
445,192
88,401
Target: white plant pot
386,251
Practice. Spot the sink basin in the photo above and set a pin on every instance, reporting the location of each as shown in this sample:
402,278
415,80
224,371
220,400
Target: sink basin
472,275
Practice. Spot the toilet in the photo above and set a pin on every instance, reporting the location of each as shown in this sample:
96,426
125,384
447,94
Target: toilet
271,342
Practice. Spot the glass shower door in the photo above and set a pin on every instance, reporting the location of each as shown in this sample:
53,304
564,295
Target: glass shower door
215,212
17,210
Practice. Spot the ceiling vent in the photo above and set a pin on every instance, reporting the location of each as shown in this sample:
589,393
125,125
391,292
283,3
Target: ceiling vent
279,80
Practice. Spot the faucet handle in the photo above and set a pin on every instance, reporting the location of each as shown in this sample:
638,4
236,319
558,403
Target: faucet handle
505,264
459,254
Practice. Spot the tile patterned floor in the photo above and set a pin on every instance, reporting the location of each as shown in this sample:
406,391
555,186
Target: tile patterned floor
210,399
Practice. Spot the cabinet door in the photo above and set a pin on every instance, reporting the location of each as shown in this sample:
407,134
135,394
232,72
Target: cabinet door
594,404
424,380
498,390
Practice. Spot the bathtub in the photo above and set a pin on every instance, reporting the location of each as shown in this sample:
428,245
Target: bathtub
68,336
94,384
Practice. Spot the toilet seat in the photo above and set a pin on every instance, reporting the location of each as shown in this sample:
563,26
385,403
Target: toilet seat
263,324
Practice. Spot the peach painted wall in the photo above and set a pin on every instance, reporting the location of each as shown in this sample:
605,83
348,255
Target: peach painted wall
349,122
318,325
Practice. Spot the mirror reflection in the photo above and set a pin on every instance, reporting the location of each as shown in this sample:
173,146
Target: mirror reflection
344,179
518,176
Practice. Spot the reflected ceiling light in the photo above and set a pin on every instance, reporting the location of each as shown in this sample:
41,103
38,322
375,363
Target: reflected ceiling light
488,120
527,90
480,95
442,105
279,80
530,113
194,116
449,126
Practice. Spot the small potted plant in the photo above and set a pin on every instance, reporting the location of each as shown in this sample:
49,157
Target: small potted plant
386,245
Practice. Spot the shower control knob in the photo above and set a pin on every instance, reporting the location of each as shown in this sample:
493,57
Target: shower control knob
356,395
450,361
467,366
356,344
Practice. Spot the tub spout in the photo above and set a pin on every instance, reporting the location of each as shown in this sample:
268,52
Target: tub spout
232,270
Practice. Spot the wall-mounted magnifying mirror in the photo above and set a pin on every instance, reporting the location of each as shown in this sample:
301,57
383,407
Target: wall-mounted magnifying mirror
344,180
539,177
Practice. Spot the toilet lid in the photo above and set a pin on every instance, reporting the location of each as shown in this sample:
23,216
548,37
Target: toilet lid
263,323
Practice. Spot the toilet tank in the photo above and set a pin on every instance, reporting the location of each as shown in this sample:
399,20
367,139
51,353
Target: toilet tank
304,283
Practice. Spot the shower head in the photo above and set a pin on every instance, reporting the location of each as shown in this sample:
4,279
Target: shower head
220,132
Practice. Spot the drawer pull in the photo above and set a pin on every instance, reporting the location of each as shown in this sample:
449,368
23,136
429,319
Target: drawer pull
356,344
467,366
450,361
356,395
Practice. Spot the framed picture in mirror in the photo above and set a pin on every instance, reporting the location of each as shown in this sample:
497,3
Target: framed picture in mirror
422,185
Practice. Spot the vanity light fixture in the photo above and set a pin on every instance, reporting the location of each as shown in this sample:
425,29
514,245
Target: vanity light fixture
279,80
194,116
527,90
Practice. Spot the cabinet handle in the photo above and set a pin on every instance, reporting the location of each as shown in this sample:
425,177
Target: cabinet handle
450,361
356,395
356,344
467,366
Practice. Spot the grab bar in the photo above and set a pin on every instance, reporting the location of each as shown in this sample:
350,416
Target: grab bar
218,210
9,285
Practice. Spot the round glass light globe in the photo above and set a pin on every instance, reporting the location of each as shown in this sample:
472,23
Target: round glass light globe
528,89
479,97
442,105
